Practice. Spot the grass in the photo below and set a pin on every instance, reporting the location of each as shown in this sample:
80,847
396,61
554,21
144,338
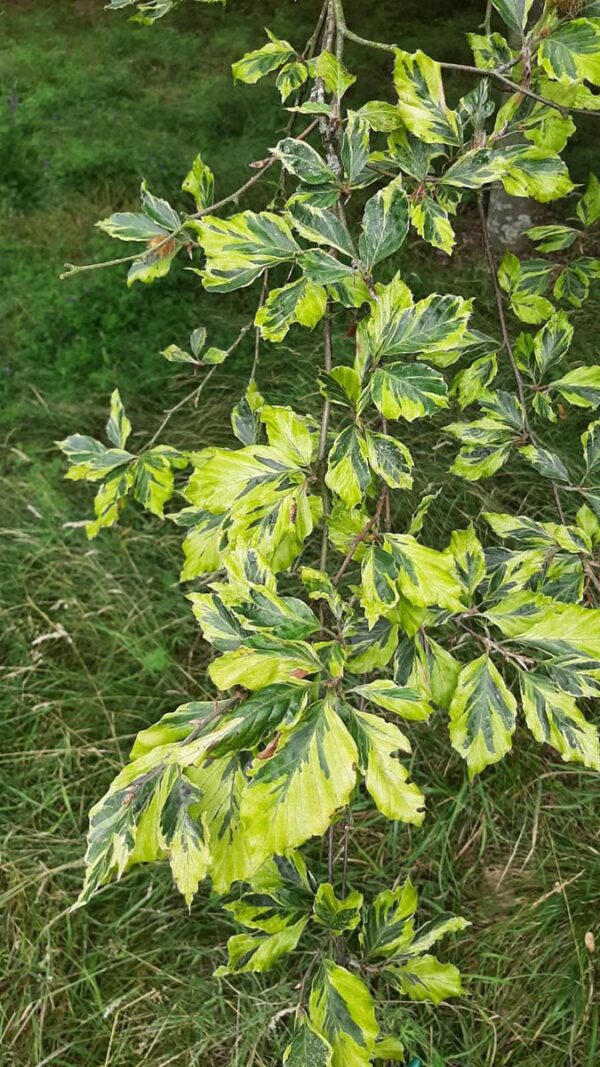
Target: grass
97,640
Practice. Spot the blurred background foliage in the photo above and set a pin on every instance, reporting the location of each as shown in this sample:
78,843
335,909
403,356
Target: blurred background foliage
97,641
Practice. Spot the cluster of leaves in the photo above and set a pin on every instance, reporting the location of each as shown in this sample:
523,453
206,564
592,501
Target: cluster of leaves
529,282
314,665
149,478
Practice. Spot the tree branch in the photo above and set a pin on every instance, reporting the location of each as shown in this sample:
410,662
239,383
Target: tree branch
265,165
524,662
497,73
515,87
349,35
364,533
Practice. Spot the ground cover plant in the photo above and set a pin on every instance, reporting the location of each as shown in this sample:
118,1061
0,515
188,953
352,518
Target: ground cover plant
149,476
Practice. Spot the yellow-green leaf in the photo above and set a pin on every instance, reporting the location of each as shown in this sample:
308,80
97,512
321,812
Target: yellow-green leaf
426,577
342,1010
334,914
571,52
295,793
199,182
425,978
386,778
118,426
307,1049
482,715
332,73
262,662
240,248
514,13
348,472
467,551
580,387
303,162
387,928
402,700
254,65
390,459
432,223
408,391
384,224
259,952
300,301
421,99
554,719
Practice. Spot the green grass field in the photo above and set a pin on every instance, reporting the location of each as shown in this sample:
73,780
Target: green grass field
97,640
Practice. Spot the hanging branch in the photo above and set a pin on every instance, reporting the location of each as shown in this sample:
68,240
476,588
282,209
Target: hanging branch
263,166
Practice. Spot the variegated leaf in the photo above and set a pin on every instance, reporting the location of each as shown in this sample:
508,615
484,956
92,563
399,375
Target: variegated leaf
482,715
294,794
421,99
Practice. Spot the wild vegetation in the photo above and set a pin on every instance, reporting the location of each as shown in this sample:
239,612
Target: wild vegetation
507,843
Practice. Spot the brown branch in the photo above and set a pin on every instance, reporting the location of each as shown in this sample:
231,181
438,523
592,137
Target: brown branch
387,515
194,395
328,362
346,848
516,87
197,391
328,36
524,662
589,572
356,541
257,335
325,129
219,709
313,40
264,166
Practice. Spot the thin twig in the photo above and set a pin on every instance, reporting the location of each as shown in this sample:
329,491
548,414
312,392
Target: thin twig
197,391
387,514
328,362
345,849
265,164
524,662
589,571
331,27
194,395
314,37
487,22
356,541
257,335
221,706
516,87
330,853
328,34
